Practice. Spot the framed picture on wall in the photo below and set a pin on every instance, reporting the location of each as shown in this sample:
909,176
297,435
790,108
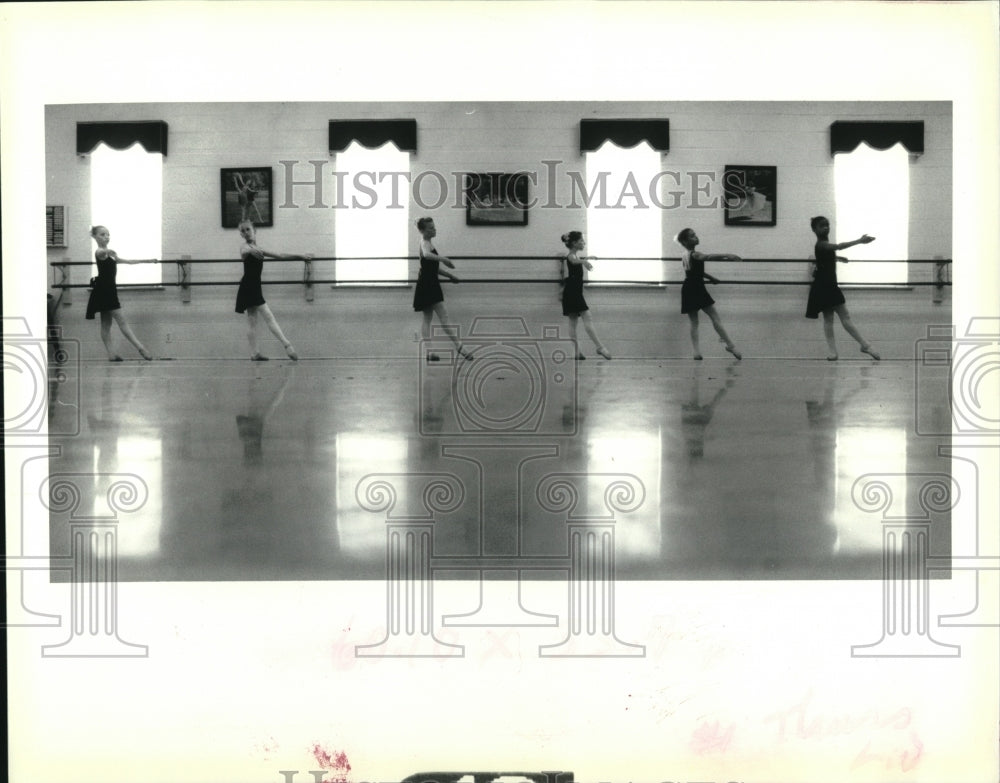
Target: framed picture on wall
247,191
750,195
496,199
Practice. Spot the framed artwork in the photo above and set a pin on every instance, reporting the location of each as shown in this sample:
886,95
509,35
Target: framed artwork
750,195
496,199
247,191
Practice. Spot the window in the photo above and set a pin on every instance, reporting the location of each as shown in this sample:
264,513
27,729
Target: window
372,217
126,196
873,195
623,222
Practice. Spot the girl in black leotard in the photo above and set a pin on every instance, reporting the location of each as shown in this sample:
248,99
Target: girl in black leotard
250,297
104,296
694,295
574,306
428,298
825,295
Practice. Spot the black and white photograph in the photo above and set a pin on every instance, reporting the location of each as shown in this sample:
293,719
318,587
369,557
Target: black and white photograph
246,195
751,195
496,199
623,492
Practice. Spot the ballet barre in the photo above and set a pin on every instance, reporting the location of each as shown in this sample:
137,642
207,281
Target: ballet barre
940,274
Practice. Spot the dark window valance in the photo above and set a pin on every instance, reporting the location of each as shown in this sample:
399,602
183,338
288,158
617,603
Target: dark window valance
846,136
121,135
373,134
624,133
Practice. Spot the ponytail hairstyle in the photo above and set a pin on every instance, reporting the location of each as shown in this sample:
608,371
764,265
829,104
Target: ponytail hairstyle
684,235
95,229
571,237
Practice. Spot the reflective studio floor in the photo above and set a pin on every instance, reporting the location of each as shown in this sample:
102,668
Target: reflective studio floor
232,470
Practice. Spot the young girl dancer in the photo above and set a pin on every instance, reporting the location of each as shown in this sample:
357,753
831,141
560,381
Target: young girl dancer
250,297
824,294
104,296
428,297
694,295
573,304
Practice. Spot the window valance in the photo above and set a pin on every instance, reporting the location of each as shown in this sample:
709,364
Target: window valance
373,134
846,136
624,133
121,135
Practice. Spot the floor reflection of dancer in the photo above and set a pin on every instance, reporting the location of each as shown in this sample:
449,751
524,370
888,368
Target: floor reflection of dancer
104,296
250,297
574,306
825,295
105,422
428,298
696,416
250,425
694,295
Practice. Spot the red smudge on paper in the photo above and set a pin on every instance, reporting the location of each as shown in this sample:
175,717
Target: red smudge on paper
336,762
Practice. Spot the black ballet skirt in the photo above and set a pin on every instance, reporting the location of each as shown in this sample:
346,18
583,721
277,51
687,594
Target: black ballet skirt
249,293
824,293
573,302
694,295
428,291
104,293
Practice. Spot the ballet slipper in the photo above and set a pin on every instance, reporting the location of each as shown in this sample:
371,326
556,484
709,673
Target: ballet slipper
464,353
734,352
832,358
697,357
115,359
580,357
258,357
433,357
291,353
146,355
868,350
603,352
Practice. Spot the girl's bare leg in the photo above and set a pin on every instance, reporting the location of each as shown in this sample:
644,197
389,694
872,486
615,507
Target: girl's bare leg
851,329
588,324
255,354
831,340
450,330
272,324
572,335
693,319
106,337
425,332
129,334
721,330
